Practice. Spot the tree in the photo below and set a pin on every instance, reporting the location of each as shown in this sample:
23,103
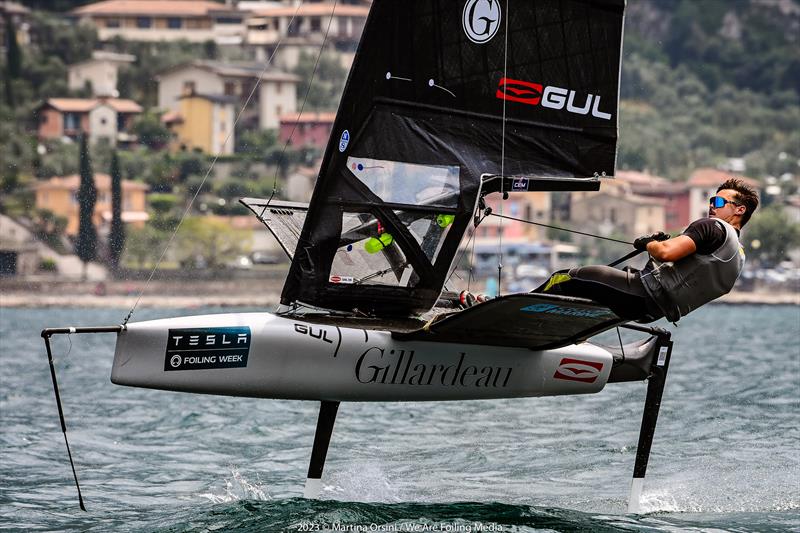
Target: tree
326,79
13,60
150,131
209,242
143,246
770,235
86,243
116,237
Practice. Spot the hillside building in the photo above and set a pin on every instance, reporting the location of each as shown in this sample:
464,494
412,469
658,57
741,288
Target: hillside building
165,20
59,195
275,95
99,73
100,118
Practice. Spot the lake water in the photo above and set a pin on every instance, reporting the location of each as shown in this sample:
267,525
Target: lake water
726,456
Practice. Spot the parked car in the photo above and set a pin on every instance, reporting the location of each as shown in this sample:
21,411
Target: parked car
265,258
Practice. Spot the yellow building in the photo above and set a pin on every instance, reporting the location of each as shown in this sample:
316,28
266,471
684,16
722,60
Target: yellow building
60,195
204,122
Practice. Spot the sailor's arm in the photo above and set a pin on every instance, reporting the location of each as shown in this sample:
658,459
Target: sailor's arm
672,249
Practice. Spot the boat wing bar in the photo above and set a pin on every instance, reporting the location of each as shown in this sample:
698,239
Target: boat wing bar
283,219
46,334
528,320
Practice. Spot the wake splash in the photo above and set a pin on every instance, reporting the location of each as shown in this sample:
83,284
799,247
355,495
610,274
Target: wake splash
668,501
237,488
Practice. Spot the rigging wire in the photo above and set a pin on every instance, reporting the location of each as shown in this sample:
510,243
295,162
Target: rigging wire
208,172
560,228
464,250
305,99
502,161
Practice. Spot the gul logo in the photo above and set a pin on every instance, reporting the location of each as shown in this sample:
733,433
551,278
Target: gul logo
481,20
344,140
524,92
342,279
578,370
552,97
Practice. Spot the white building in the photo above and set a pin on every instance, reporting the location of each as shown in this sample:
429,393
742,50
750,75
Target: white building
276,93
302,28
165,20
100,73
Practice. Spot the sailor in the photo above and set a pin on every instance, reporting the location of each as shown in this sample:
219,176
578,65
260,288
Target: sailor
683,272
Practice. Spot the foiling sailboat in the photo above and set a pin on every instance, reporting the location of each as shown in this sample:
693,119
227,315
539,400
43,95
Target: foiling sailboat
447,101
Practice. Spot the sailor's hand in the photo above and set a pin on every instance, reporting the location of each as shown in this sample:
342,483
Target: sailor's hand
642,242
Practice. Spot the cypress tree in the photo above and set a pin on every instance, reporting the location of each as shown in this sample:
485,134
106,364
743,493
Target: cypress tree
116,237
86,243
13,60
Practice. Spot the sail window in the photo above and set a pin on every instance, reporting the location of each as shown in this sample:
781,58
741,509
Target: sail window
429,230
407,183
368,254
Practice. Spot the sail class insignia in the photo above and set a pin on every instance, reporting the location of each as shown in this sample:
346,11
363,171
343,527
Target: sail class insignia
481,20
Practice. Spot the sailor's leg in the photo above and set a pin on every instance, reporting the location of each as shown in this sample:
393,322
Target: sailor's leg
655,389
327,417
621,291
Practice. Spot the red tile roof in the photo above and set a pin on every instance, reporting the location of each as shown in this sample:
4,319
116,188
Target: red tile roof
84,105
291,118
711,177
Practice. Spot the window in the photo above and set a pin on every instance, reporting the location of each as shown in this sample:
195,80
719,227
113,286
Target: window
144,22
174,23
316,24
103,121
278,87
408,183
228,20
112,23
294,26
368,255
230,88
71,121
188,87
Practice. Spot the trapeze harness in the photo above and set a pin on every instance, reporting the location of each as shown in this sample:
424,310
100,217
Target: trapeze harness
682,286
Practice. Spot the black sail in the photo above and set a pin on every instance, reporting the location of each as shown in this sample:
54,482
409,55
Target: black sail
441,93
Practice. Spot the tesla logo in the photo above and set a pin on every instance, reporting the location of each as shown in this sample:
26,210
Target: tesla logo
578,370
481,19
528,92
525,92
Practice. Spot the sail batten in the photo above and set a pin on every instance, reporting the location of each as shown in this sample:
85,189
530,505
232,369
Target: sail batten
422,116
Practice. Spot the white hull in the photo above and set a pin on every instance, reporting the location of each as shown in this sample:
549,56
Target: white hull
293,359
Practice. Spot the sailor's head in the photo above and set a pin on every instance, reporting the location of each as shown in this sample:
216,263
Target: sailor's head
734,203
